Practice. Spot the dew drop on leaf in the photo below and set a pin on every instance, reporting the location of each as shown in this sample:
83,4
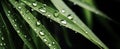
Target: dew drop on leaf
2,38
70,17
63,11
28,18
49,44
53,43
9,12
32,9
1,44
56,14
42,10
18,31
49,15
19,7
45,40
34,4
63,22
4,44
38,23
41,33
15,25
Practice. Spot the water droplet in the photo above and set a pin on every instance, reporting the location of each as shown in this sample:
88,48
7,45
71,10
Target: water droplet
1,44
25,36
70,17
32,9
15,20
63,11
54,48
34,4
44,5
86,32
49,15
4,44
15,2
56,13
38,23
53,43
15,25
35,29
49,44
18,31
9,12
42,10
28,18
19,7
27,11
41,33
2,38
45,40
63,22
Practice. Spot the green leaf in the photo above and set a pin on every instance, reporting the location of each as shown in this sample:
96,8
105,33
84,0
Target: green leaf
5,36
90,8
18,26
55,15
39,29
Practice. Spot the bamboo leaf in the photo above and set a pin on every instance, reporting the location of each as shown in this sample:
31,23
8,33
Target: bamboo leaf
65,21
39,29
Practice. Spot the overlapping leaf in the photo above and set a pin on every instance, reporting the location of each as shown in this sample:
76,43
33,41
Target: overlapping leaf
39,29
65,19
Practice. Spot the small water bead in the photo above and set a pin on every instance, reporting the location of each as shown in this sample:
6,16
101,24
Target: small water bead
38,23
32,9
56,13
15,20
53,43
42,10
18,31
28,18
86,32
49,44
70,17
15,2
63,22
63,11
41,33
9,12
1,44
4,44
15,25
19,7
25,36
2,38
27,11
49,15
34,4
45,40
35,29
